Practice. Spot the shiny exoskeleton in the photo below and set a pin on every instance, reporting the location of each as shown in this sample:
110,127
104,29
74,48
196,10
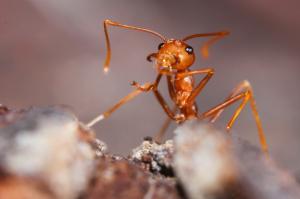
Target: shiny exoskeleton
173,59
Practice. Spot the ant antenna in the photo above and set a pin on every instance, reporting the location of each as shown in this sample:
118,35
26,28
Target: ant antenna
206,45
109,22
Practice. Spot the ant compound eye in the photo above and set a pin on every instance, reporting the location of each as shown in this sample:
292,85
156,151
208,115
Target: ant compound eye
189,50
160,46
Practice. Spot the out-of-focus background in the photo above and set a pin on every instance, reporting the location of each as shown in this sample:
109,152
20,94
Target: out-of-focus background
51,52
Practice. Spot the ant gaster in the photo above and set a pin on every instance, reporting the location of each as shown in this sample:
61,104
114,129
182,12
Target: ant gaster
173,60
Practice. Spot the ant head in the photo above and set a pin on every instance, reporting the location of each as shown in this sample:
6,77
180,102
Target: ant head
174,55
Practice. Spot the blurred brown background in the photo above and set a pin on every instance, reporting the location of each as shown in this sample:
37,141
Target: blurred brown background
51,52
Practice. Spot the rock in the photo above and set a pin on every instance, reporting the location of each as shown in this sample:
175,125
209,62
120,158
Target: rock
210,164
46,153
8,116
122,179
155,157
50,146
23,188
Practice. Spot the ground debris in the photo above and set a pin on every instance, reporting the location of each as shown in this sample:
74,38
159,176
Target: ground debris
121,178
46,153
48,145
212,165
155,157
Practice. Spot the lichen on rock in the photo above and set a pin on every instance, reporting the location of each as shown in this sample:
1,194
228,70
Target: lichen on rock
156,157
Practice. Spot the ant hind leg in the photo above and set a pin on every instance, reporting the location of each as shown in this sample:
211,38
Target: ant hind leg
246,96
244,85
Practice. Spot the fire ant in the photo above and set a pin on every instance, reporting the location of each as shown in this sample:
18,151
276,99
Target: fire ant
173,60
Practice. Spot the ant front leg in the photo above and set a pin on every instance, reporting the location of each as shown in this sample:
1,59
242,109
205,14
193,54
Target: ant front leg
171,114
209,73
143,88
191,100
246,96
159,135
166,108
160,98
124,100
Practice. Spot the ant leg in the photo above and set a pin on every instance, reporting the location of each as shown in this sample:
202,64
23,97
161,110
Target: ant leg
158,137
112,23
201,85
159,97
241,86
171,88
164,105
124,100
255,113
170,113
161,100
246,96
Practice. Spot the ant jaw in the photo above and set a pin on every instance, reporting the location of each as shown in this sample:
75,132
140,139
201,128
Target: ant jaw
151,56
166,60
165,69
149,59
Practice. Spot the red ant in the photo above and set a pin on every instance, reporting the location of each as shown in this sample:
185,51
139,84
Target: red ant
173,60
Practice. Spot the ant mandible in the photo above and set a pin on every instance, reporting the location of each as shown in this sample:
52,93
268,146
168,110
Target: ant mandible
173,60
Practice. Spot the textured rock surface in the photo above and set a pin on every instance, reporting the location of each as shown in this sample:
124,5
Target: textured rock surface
212,164
123,179
49,145
157,158
46,153
23,188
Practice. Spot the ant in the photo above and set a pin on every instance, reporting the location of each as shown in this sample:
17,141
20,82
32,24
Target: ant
173,60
